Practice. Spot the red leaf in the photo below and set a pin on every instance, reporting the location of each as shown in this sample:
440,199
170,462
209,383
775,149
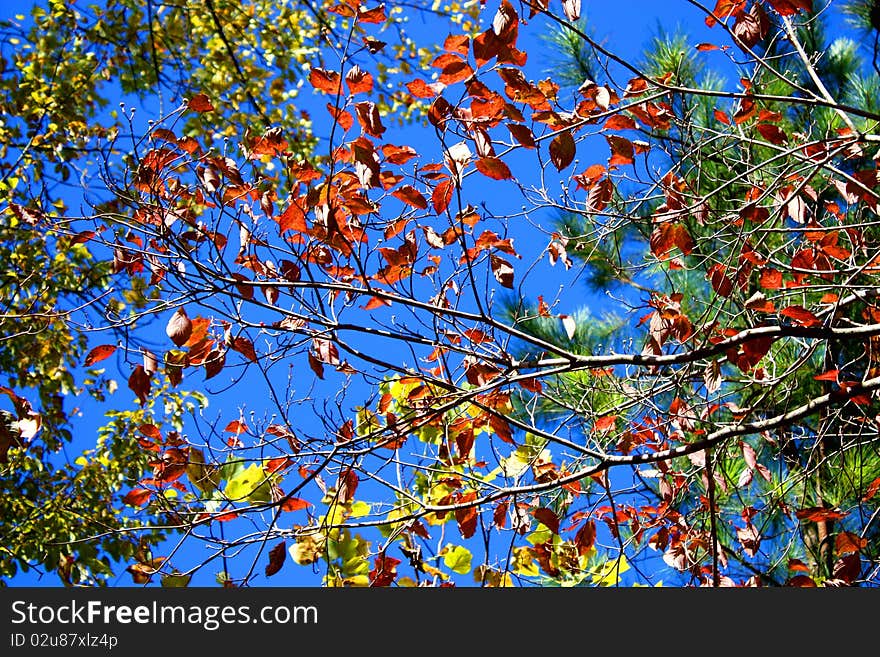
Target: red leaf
791,7
411,196
139,383
384,571
442,196
749,455
245,347
200,327
376,302
325,351
562,150
872,490
277,556
346,485
752,26
328,82
459,43
214,363
801,316
270,143
706,47
499,516
467,518
398,154
830,375
316,365
621,150
343,118
502,270
368,117
600,195
548,518
531,384
200,103
620,122
772,133
819,514
294,504
721,283
293,218
802,581
667,236
522,134
99,353
604,423
150,431
137,497
82,237
493,168
770,279
585,537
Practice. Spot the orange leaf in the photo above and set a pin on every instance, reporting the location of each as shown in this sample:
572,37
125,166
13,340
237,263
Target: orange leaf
294,504
604,423
830,375
358,80
236,427
411,196
421,89
621,150
442,196
847,543
99,353
374,15
328,82
721,117
200,103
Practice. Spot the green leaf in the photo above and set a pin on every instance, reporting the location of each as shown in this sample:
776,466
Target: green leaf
250,484
175,580
457,559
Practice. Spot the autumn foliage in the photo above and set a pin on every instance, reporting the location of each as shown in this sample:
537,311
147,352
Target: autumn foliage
409,390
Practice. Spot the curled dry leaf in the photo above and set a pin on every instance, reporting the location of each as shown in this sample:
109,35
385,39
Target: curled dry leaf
571,9
277,556
179,327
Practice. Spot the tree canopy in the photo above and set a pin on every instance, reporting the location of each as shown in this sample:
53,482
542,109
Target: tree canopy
393,302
